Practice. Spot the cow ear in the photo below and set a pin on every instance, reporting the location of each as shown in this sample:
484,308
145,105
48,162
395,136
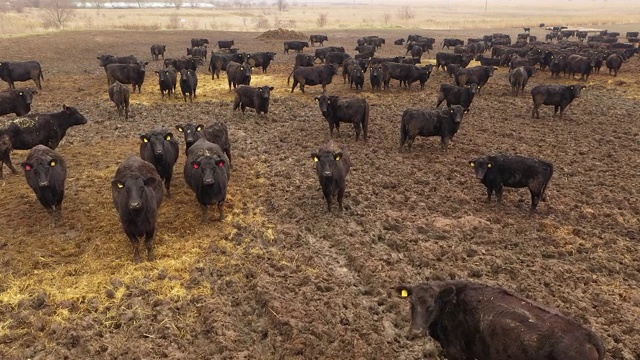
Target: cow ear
270,87
446,294
404,291
179,128
150,181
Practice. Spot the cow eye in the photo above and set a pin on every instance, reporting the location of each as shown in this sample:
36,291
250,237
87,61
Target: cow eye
168,137
52,163
120,185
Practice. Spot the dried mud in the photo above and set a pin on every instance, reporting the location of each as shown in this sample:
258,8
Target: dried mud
282,279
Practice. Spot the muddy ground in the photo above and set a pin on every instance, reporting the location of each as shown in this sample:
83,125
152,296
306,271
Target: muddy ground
281,278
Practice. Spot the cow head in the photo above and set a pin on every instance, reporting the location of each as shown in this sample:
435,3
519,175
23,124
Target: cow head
184,75
164,76
576,89
271,55
206,167
427,301
376,72
473,88
131,190
334,69
142,65
481,166
357,73
156,139
326,162
323,102
191,133
456,113
26,95
74,115
265,92
41,168
5,69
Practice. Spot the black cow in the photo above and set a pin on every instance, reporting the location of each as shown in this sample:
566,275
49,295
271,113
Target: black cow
378,60
120,95
336,109
416,53
399,42
474,75
557,95
195,42
477,321
158,50
336,58
376,76
366,49
217,133
514,171
167,80
127,74
16,101
558,64
295,45
186,62
527,29
225,44
21,71
322,53
207,172
451,42
160,148
238,74
111,59
487,61
349,64
332,167
614,63
46,171
581,35
188,84
580,64
519,77
320,39
219,62
405,73
137,194
261,59
37,129
257,98
452,69
356,77
304,60
444,59
632,34
317,75
417,122
457,95
198,52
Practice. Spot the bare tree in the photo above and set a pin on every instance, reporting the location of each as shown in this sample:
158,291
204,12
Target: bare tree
282,5
406,13
58,11
322,20
386,17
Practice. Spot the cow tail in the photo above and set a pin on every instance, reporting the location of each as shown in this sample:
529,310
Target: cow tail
365,118
289,78
404,133
41,74
546,183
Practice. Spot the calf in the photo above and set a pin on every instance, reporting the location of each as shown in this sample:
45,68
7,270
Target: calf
167,80
199,42
127,74
36,129
217,133
225,44
207,172
317,75
376,76
161,149
304,60
16,101
519,77
444,123
298,46
252,97
332,167
498,171
356,77
158,50
21,71
474,75
336,109
557,95
318,39
261,59
111,59
137,194
188,84
457,95
477,321
119,94
238,74
399,42
614,63
46,172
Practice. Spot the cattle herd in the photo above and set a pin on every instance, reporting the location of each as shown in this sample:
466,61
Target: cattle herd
465,318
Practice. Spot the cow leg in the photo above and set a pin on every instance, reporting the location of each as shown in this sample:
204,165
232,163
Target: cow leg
444,143
148,243
221,210
38,83
535,199
167,184
499,193
136,250
205,214
295,82
489,193
7,160
555,111
331,126
535,112
338,128
328,198
194,94
357,128
340,197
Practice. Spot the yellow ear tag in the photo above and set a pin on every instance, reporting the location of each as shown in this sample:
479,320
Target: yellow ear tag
168,137
472,164
145,140
404,293
21,94
180,129
489,165
120,185
199,128
315,159
52,163
337,158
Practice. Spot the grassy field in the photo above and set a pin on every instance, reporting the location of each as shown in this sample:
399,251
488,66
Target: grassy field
424,15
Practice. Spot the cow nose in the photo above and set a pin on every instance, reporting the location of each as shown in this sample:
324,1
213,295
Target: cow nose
158,152
208,181
415,334
326,173
134,205
43,183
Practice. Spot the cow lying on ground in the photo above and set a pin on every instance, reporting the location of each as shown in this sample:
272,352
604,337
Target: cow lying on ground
478,321
16,101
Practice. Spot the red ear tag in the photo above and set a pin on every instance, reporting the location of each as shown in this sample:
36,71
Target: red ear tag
28,167
196,166
221,164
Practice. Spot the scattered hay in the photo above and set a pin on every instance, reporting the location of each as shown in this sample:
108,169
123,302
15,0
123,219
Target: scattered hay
282,34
